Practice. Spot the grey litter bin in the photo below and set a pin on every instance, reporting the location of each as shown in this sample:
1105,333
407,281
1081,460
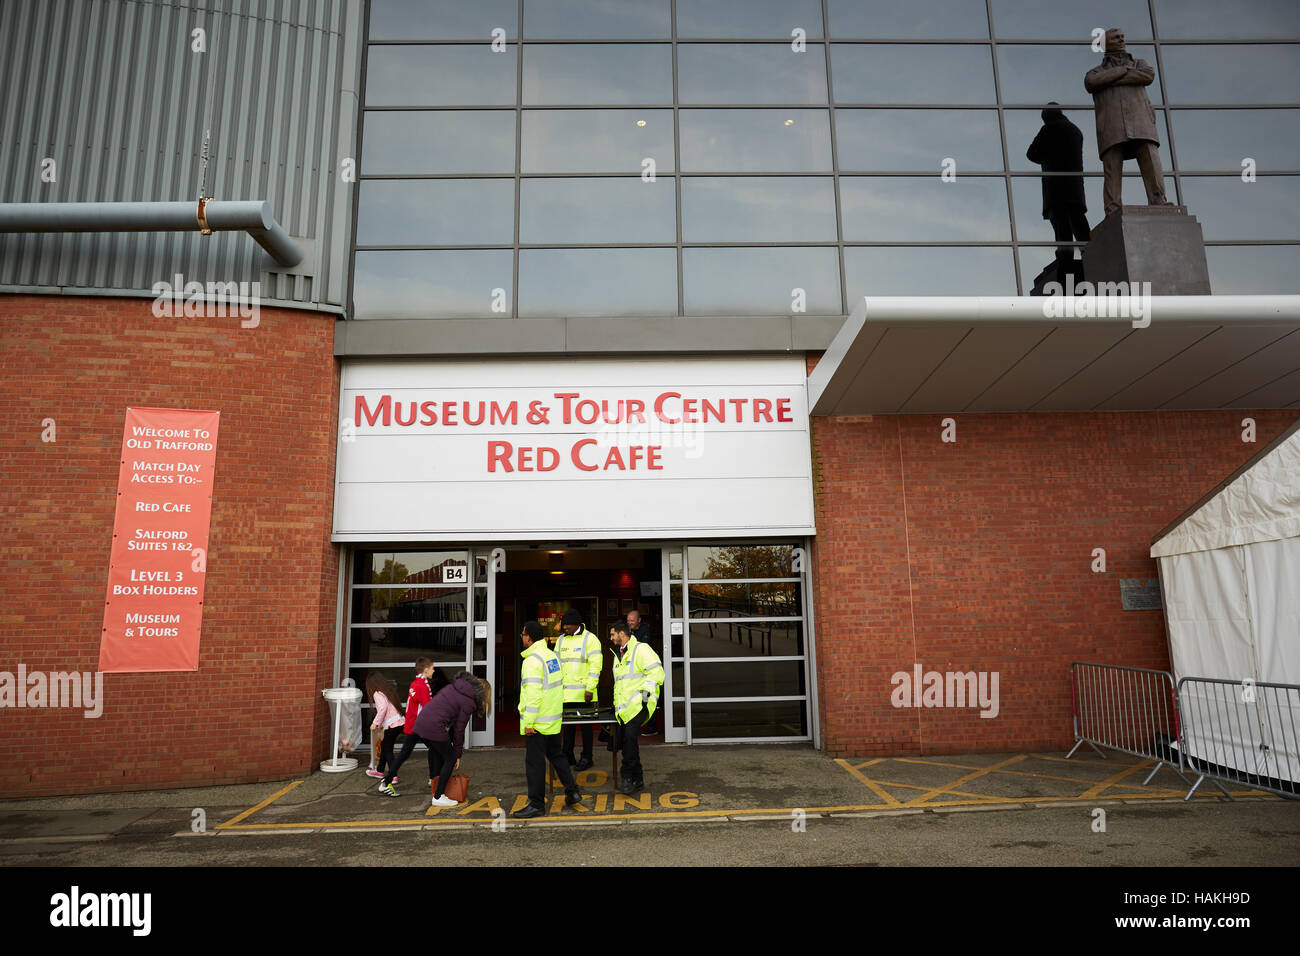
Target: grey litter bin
339,698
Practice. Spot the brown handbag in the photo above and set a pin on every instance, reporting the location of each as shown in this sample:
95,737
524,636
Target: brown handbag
457,787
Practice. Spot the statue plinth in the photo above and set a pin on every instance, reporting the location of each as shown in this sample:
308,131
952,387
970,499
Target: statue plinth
1161,245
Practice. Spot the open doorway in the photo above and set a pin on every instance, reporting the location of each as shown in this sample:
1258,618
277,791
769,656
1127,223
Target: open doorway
603,584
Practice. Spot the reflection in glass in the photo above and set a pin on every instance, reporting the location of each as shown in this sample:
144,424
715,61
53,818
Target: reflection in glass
748,678
920,209
750,73
409,605
597,141
757,141
556,73
1032,75
889,19
597,282
750,19
714,600
440,76
1069,19
758,209
1228,208
941,270
675,600
442,19
1023,125
1255,270
918,140
597,210
1220,139
675,563
1224,73
735,561
426,284
779,718
723,638
383,644
1027,194
1210,20
597,20
912,73
402,567
436,212
761,281
436,141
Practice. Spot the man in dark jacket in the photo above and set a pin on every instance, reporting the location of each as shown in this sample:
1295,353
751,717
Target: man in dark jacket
1058,148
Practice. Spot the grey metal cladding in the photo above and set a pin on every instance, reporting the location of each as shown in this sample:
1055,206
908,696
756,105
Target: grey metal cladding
113,93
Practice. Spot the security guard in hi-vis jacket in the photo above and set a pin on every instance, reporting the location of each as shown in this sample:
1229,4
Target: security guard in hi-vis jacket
638,675
581,662
541,708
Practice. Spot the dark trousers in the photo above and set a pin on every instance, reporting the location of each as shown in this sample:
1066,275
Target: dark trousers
408,745
446,755
628,741
569,740
1069,223
539,748
386,747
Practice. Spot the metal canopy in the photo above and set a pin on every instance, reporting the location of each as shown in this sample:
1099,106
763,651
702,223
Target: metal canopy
1015,354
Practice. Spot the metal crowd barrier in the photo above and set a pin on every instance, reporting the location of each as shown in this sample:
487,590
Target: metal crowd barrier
1129,709
1242,732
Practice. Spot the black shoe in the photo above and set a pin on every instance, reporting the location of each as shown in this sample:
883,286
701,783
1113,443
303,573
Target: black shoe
583,764
571,798
633,786
527,812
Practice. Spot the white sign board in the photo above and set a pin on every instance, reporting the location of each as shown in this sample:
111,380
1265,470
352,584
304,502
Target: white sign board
535,449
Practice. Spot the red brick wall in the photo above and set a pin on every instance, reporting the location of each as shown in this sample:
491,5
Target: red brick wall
253,710
976,555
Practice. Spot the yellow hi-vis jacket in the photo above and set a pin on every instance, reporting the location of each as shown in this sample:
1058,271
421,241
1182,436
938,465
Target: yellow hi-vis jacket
580,664
541,696
638,675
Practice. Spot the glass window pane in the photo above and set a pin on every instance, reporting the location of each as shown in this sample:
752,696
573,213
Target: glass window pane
889,19
436,212
1209,20
881,270
1221,139
779,718
1027,194
754,209
440,76
753,639
705,562
920,209
437,141
1220,73
1023,126
597,210
421,285
1227,208
1257,270
761,281
756,141
871,73
404,567
714,601
1069,19
597,20
406,605
918,140
597,282
445,645
598,73
750,19
750,678
597,141
1033,75
750,73
442,19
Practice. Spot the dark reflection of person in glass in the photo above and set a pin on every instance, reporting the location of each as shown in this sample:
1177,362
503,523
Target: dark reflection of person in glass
1058,148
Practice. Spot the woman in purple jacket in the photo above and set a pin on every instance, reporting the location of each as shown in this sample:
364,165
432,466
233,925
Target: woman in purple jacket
442,725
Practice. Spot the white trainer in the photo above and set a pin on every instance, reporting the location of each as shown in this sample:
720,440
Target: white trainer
444,801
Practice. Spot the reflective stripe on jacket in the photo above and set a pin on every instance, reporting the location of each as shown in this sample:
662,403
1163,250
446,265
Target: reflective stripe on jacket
580,664
541,691
638,675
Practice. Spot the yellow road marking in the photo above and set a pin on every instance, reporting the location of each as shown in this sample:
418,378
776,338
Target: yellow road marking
980,797
949,788
265,803
1016,773
1113,779
889,798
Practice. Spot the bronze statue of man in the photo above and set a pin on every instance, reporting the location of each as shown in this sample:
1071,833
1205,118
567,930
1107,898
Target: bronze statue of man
1126,123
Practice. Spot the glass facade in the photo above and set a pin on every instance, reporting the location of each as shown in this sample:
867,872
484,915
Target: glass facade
773,157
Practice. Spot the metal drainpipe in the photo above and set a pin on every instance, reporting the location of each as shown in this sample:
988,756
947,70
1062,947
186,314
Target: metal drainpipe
253,216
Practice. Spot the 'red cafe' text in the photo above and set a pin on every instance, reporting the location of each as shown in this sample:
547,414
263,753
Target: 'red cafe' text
671,408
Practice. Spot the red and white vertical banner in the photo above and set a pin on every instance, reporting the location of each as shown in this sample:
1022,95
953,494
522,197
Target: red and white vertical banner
153,610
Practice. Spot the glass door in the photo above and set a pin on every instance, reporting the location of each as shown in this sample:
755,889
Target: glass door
482,641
